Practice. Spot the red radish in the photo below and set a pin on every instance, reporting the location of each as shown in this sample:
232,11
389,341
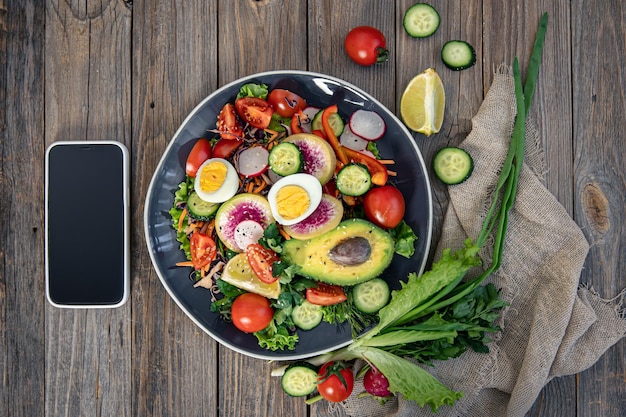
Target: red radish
309,112
253,161
367,124
247,232
376,383
350,140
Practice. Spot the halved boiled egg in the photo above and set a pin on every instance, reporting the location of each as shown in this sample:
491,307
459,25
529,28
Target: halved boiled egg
294,198
216,180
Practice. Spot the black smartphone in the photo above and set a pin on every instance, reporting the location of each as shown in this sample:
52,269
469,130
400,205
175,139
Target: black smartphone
87,224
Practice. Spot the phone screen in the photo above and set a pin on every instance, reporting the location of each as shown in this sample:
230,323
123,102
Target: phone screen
86,224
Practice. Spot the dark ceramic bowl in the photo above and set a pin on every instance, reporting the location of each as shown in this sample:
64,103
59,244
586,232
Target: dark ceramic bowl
320,91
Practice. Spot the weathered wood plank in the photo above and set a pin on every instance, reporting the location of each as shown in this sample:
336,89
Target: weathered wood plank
173,68
257,36
21,198
87,96
599,113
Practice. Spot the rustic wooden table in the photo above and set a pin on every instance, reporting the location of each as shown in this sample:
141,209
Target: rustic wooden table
132,70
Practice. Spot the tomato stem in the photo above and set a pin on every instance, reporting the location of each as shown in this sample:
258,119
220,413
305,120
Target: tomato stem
382,55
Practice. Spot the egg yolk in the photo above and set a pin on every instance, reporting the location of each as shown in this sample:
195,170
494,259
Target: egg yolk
292,201
212,176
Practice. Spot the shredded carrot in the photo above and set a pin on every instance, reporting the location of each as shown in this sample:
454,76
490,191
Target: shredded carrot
387,161
273,134
259,188
184,263
392,173
181,219
283,233
249,187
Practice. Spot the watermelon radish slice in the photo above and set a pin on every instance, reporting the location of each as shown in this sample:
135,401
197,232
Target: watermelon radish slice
350,140
318,157
238,209
367,124
325,218
253,161
248,232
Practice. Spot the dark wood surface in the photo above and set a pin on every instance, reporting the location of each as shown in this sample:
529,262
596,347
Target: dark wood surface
132,70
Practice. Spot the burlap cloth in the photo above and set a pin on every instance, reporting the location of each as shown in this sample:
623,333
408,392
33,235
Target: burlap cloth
554,326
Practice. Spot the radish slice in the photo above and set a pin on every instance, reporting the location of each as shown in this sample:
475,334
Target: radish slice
350,140
367,124
253,161
309,112
247,232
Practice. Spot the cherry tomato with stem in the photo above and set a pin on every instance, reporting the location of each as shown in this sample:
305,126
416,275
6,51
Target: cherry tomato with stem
384,206
261,260
254,111
325,294
335,381
203,250
200,152
251,312
285,102
227,123
366,46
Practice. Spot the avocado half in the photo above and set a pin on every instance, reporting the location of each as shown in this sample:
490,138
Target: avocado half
354,252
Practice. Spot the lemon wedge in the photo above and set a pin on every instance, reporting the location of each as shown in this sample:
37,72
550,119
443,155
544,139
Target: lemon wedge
238,272
423,103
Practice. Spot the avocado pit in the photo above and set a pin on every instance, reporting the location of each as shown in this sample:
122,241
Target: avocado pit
352,251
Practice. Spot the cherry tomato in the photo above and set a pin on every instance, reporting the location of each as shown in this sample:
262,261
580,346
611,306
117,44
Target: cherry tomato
251,312
331,386
325,294
261,261
254,111
203,250
384,206
285,103
200,152
223,148
366,46
227,123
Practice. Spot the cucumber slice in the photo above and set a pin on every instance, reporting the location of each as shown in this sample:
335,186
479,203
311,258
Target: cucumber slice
370,296
458,55
452,165
421,20
299,379
306,315
285,159
354,179
200,209
336,123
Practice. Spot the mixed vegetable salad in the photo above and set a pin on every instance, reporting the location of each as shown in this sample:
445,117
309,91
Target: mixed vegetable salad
288,215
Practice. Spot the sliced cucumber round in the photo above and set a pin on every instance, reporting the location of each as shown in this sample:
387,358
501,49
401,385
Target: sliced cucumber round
421,20
336,123
354,180
200,209
285,159
370,296
458,55
306,315
299,379
452,165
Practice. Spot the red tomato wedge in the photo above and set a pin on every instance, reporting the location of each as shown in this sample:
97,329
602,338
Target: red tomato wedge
285,103
203,250
254,111
224,148
325,294
261,261
227,123
200,152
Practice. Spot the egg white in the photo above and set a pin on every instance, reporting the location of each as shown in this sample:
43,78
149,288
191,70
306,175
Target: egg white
309,183
228,188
